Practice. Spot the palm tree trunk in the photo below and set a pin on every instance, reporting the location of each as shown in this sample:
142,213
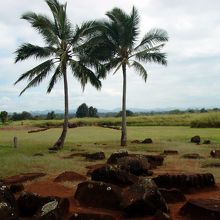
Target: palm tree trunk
60,142
123,124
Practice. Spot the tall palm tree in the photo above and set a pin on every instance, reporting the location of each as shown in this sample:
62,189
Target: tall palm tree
115,44
61,52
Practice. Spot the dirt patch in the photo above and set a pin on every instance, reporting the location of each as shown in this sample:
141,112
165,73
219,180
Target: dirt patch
69,176
22,178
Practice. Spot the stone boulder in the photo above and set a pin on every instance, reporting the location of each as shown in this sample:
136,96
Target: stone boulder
147,141
8,206
98,195
114,175
116,155
142,198
170,152
192,156
69,176
95,156
56,210
215,153
91,216
17,187
137,165
196,139
172,195
206,209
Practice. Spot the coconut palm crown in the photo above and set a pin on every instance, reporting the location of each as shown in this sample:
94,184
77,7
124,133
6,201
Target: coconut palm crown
61,51
115,44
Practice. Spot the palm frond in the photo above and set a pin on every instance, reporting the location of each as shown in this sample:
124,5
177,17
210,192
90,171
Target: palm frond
84,74
43,67
56,76
153,37
44,26
140,69
155,57
38,78
29,50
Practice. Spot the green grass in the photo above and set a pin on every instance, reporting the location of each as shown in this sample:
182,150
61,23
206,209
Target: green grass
15,161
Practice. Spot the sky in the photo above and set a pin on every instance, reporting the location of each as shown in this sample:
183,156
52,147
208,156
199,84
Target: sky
190,80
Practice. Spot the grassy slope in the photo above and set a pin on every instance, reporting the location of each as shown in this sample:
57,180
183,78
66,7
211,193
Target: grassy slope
14,161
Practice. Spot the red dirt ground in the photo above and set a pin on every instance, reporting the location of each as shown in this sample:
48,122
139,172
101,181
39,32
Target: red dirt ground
46,187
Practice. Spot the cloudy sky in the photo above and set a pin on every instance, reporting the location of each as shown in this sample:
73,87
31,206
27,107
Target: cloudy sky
191,79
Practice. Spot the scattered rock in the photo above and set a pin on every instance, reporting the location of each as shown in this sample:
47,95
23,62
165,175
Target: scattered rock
79,154
215,153
91,216
22,178
115,156
192,156
161,216
206,142
155,160
170,152
56,210
172,195
185,181
8,206
96,156
72,125
206,209
137,165
69,176
38,155
147,141
17,187
114,175
211,165
91,168
98,195
142,198
136,142
196,139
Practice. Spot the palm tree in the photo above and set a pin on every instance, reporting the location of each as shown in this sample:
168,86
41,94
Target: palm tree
115,44
61,52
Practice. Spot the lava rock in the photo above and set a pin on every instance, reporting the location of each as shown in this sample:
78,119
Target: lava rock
114,175
15,188
172,195
69,176
161,216
196,139
142,198
137,165
91,216
96,156
98,195
215,153
170,152
206,209
116,155
192,156
147,141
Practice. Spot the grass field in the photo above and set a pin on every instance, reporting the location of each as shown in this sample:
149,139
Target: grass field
15,161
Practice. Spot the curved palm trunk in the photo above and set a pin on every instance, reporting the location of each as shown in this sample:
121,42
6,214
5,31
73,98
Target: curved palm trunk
60,142
123,124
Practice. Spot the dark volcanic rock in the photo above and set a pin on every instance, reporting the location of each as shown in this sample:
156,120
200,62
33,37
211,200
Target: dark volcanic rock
206,142
8,206
172,195
30,203
56,210
98,194
95,156
155,160
142,198
114,175
196,139
69,176
91,216
161,216
17,187
192,156
137,165
215,153
185,181
115,156
205,209
147,141
136,142
170,152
